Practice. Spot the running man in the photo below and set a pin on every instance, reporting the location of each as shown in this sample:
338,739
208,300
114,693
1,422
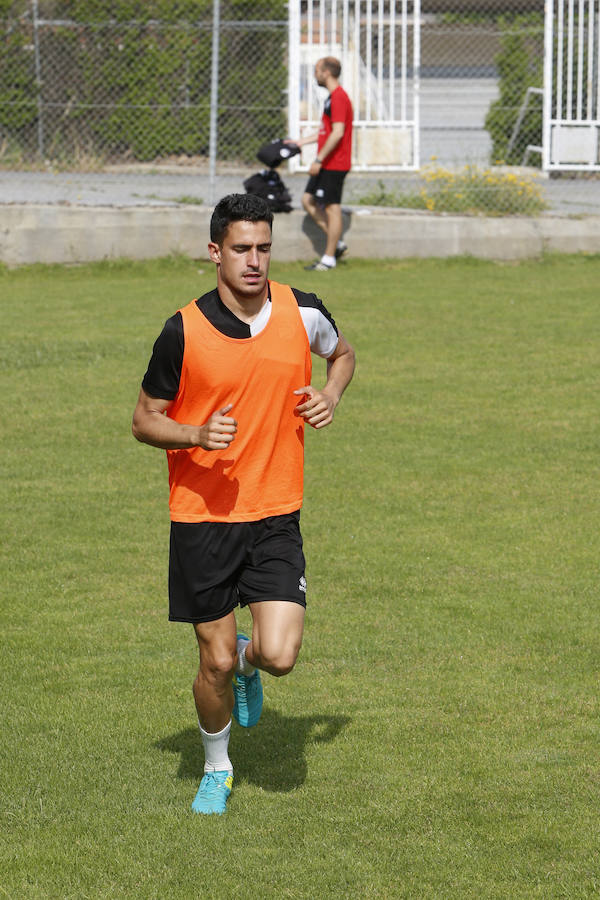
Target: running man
227,394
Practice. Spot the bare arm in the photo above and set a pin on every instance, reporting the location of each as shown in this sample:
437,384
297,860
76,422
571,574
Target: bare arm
151,426
320,406
307,139
337,132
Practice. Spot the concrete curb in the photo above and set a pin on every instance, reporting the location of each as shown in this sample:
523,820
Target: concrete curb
58,234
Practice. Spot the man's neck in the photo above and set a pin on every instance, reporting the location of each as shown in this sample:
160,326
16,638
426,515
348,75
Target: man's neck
245,308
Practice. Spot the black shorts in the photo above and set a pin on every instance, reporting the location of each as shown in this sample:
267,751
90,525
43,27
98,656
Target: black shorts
326,186
214,566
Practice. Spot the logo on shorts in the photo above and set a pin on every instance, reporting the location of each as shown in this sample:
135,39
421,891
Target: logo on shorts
302,584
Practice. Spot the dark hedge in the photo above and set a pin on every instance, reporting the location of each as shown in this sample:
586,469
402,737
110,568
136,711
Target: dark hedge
132,79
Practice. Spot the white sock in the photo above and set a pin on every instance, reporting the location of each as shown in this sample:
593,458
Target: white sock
216,750
243,666
340,244
328,260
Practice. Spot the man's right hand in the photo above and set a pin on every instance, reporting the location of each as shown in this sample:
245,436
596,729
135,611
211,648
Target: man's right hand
219,431
151,426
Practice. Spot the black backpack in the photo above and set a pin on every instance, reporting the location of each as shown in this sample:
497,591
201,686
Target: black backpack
268,185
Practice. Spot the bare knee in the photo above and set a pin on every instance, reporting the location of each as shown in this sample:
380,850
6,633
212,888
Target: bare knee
279,667
218,667
308,203
279,662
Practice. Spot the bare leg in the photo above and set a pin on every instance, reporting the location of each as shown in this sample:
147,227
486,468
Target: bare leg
334,229
213,692
329,220
316,212
277,627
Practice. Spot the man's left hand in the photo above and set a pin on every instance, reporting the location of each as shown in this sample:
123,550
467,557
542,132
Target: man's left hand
317,409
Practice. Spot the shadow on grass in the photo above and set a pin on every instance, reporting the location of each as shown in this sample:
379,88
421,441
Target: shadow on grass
272,755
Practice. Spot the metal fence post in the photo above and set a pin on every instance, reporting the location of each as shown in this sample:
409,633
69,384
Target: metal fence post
293,87
38,78
214,100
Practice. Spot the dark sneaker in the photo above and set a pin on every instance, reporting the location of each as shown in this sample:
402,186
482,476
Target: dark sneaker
340,249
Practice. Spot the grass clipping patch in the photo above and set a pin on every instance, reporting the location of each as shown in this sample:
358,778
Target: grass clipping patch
469,191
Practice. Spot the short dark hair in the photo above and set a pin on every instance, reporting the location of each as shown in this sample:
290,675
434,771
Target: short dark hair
332,65
238,208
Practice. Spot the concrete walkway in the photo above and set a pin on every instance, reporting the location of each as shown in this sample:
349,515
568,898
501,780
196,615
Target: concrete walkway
170,185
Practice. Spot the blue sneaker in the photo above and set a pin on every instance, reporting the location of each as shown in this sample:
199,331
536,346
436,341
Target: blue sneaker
213,792
248,696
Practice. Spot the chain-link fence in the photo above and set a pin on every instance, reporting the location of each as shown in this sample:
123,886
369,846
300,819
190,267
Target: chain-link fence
479,61
89,84
93,82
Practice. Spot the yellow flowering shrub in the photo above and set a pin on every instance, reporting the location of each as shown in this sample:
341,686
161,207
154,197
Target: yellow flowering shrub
470,190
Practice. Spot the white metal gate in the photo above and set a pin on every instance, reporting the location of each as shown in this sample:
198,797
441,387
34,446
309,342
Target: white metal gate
571,85
378,44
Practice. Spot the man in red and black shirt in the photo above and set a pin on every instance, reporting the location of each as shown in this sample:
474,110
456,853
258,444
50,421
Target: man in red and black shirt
323,193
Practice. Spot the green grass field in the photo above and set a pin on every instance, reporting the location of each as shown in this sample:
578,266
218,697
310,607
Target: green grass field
439,737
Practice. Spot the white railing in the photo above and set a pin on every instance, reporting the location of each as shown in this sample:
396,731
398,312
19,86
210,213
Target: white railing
378,44
571,85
